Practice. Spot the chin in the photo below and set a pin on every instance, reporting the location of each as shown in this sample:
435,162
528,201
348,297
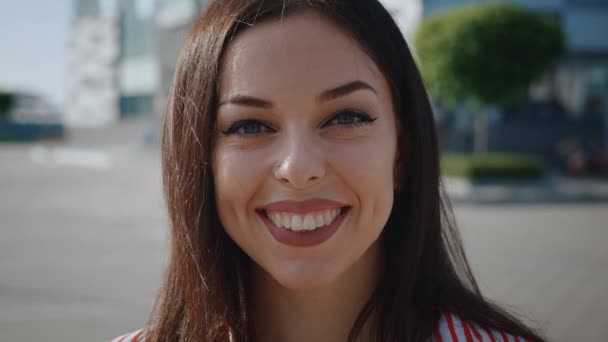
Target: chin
305,276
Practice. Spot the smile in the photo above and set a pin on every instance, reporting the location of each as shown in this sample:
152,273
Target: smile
304,229
303,222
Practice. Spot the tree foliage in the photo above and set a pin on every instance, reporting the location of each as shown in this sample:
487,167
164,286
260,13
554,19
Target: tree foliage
6,102
486,54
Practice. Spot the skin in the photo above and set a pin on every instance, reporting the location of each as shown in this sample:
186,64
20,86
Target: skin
304,293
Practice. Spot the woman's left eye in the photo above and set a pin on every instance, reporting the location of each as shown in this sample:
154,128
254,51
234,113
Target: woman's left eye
350,118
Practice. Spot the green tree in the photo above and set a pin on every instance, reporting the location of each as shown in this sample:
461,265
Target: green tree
486,55
6,102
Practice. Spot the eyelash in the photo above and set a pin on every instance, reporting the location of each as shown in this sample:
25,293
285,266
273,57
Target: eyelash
361,119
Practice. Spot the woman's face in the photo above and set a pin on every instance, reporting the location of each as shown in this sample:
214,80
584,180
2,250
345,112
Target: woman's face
300,97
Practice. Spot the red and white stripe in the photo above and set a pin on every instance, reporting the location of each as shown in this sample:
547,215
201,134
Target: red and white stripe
136,336
450,329
453,329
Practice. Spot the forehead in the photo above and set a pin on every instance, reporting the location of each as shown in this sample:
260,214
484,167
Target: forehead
300,53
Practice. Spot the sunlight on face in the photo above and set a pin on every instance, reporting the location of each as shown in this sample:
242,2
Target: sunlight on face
302,95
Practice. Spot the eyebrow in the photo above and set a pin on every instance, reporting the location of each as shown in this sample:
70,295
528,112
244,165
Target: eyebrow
344,90
327,95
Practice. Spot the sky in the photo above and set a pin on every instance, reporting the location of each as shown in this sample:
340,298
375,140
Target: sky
409,11
34,36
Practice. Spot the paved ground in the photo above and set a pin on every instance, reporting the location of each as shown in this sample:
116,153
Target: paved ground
82,244
548,261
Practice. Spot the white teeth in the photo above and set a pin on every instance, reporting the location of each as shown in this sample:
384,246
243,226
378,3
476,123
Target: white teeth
296,222
327,216
319,221
309,222
306,222
286,221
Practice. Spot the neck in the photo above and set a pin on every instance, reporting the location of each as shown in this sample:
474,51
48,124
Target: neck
321,314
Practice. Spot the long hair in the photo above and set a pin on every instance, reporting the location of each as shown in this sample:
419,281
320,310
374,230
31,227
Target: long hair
205,292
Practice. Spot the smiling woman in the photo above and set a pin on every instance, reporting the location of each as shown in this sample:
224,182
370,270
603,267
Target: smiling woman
301,175
317,146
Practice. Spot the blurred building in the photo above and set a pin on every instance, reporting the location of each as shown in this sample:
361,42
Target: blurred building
113,69
93,77
172,23
123,54
139,77
580,82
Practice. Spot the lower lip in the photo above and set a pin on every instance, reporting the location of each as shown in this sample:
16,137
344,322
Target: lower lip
304,238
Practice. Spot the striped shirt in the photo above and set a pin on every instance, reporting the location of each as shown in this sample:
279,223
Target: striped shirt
136,336
453,329
450,329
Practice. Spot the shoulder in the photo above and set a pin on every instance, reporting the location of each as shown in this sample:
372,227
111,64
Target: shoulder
452,328
136,336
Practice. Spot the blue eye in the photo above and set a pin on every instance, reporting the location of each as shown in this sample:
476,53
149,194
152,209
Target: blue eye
247,127
351,118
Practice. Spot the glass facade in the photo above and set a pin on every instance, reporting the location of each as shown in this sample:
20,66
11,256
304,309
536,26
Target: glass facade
137,30
138,68
87,8
587,2
436,6
586,29
136,105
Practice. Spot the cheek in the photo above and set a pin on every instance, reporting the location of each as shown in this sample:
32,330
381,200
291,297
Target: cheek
367,169
234,183
368,164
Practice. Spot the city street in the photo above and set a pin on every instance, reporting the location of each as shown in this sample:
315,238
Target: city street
83,240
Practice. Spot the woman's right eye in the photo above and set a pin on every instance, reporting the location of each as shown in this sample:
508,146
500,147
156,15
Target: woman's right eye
247,128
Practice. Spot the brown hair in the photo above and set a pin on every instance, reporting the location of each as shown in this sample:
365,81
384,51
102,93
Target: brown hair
205,292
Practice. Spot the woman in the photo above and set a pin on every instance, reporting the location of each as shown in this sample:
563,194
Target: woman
301,173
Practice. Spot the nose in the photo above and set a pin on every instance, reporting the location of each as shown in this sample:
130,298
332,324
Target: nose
302,164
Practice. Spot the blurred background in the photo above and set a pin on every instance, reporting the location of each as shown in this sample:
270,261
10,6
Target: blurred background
520,90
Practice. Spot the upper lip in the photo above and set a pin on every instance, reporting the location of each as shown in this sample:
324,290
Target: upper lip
301,207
